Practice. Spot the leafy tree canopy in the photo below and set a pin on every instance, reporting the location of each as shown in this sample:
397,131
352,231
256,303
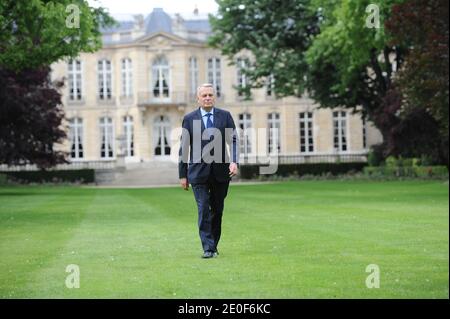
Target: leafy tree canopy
35,33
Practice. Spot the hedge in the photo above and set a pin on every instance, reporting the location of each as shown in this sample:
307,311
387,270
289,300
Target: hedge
52,176
252,171
3,179
408,171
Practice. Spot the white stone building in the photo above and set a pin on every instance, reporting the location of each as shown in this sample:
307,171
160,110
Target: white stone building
137,88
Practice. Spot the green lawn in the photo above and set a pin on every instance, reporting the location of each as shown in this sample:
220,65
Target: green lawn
309,239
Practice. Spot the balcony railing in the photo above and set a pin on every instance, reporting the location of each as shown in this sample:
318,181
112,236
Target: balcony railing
147,98
106,100
307,158
71,102
101,164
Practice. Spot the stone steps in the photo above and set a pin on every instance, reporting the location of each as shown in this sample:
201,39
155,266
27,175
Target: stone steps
141,174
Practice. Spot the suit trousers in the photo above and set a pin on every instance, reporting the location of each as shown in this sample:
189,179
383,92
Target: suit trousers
210,197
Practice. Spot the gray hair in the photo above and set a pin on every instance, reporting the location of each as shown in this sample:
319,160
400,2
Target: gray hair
206,85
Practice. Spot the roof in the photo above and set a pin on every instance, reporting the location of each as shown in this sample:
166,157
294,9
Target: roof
197,25
158,21
122,27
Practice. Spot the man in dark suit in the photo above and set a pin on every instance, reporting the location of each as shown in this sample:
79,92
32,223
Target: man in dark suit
206,164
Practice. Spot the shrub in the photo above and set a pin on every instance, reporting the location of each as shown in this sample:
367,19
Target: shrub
439,172
3,179
299,170
375,156
53,176
416,162
391,161
426,160
407,162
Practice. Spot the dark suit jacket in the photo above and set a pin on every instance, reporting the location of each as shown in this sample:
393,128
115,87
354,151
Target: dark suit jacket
195,169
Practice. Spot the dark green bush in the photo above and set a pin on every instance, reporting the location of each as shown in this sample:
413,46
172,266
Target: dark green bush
53,176
439,172
375,156
252,171
3,179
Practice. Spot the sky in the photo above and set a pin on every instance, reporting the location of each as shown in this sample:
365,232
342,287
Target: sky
124,8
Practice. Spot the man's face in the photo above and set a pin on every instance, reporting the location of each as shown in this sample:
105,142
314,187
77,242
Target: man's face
206,97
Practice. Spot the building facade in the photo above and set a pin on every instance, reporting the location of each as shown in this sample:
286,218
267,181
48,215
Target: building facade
129,98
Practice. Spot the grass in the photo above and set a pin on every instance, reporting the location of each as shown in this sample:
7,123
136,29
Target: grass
309,239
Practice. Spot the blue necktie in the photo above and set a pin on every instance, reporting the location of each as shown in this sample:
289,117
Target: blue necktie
209,122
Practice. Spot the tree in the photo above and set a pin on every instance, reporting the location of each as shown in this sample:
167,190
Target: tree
276,32
414,133
34,34
422,27
322,46
339,52
30,119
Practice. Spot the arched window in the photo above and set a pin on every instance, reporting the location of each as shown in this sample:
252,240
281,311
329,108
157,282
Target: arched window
76,138
340,131
274,132
107,138
161,136
306,132
160,78
245,125
129,135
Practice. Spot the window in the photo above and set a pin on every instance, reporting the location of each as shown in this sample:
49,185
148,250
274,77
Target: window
76,138
107,138
364,132
161,129
104,79
306,132
129,135
274,132
270,85
127,78
75,80
340,130
242,63
245,124
160,75
214,75
193,76
125,36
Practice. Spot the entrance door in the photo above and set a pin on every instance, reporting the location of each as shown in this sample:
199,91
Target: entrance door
161,136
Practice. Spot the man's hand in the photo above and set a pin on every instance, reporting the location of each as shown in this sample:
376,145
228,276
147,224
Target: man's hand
184,183
233,169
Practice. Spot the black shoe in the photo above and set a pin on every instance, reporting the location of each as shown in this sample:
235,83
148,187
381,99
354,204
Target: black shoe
208,254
